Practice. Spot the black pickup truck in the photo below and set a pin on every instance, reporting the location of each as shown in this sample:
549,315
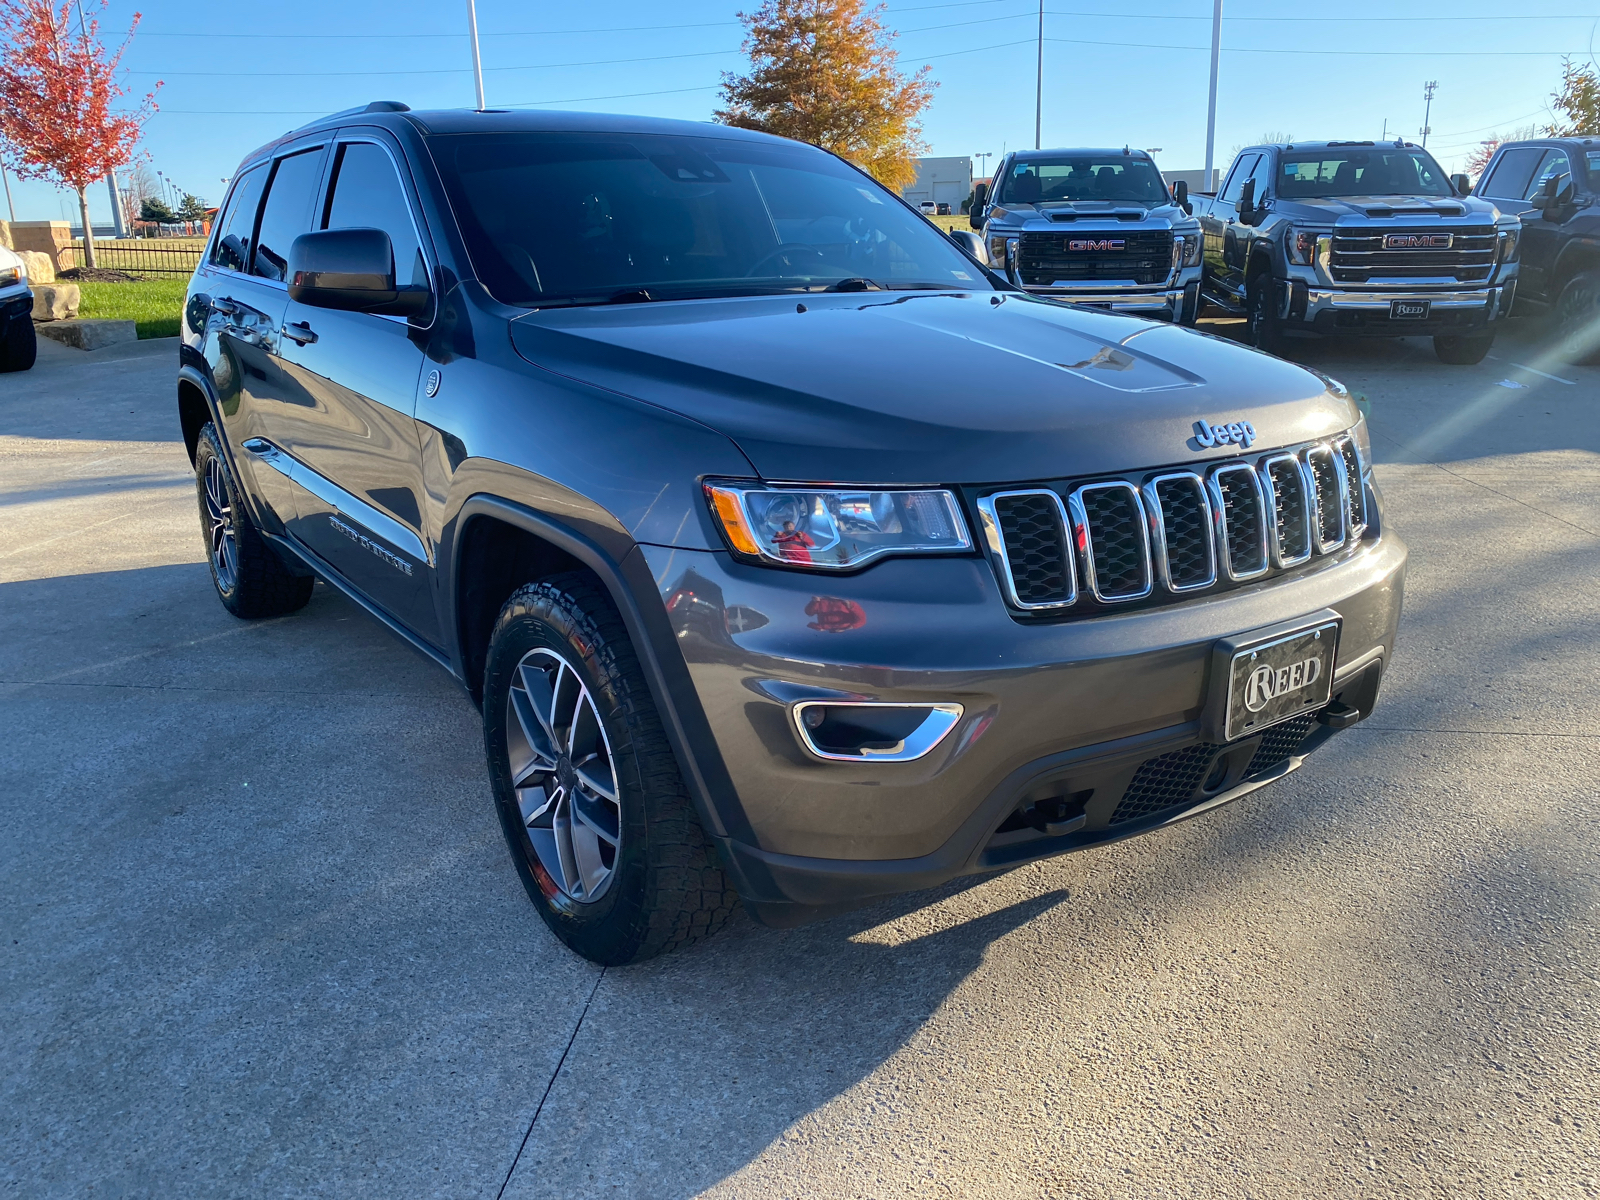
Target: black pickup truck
1553,185
1357,238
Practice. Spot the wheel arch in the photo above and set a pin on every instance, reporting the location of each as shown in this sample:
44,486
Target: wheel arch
1575,258
499,546
196,406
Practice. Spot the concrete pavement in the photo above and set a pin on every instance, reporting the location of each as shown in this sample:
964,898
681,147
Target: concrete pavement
264,937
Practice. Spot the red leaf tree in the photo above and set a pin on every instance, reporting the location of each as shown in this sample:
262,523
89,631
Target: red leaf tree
57,87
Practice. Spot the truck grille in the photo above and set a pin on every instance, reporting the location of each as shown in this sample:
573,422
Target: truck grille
1174,533
1145,257
1366,256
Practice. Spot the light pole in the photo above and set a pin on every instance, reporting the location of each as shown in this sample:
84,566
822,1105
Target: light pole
6,179
1038,87
1211,106
477,61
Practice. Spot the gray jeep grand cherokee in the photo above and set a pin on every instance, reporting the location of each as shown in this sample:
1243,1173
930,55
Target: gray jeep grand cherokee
792,556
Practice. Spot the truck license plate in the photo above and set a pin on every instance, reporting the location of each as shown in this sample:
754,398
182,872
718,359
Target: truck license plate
1409,310
1280,679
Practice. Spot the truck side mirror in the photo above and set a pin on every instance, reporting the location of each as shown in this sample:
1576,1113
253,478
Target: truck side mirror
970,244
1462,184
1180,196
980,194
1247,199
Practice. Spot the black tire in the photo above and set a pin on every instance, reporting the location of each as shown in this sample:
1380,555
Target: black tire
1262,328
19,344
665,887
1462,351
251,580
1577,319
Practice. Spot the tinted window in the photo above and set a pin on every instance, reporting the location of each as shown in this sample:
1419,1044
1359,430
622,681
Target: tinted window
1069,178
585,218
1554,166
1242,169
1361,171
1509,180
367,194
287,212
232,248
1594,163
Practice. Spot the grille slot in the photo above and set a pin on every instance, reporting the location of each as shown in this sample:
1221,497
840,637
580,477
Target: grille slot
1241,520
1109,526
1355,486
1185,549
1046,258
1328,498
1279,742
1360,257
1290,510
1027,533
1164,782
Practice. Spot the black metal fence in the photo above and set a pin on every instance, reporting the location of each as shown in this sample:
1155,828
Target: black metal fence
140,256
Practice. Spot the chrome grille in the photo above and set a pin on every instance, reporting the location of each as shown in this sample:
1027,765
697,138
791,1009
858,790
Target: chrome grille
1173,533
1291,511
1108,524
1047,258
1360,257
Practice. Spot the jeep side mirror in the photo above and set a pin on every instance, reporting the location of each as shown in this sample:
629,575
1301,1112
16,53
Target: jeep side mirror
1462,184
1180,195
1247,199
351,270
980,195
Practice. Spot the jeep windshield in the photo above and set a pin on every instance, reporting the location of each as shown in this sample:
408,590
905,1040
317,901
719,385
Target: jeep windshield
1360,171
586,218
1073,178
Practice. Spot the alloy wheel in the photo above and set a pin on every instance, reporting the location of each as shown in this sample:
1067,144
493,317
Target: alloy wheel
221,537
564,776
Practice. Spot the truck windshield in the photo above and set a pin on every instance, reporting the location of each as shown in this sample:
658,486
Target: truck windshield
592,218
1072,178
1361,171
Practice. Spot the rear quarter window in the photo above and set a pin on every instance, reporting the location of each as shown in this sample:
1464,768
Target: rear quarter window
236,226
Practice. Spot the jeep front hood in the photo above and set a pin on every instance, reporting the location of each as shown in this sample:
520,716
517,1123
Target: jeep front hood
931,387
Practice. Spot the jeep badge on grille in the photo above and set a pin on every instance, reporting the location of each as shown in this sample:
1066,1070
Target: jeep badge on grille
1240,432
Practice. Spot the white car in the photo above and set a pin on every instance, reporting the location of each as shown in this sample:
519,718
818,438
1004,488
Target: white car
18,346
928,208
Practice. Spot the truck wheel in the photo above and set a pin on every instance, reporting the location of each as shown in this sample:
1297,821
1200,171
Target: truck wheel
1577,318
251,580
594,809
1263,329
19,344
1461,351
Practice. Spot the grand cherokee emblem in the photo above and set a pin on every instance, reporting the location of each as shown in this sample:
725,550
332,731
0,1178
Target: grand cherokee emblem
1101,244
1417,241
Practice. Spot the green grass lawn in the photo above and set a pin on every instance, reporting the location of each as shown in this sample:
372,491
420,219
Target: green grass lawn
155,304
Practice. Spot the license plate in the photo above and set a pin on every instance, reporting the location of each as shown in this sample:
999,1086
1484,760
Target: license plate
1410,310
1283,678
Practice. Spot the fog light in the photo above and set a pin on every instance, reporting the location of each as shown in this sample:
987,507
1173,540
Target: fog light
863,730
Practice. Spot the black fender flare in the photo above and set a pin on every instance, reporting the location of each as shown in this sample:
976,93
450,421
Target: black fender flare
632,589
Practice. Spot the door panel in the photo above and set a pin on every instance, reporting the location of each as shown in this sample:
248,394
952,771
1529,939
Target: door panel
1541,237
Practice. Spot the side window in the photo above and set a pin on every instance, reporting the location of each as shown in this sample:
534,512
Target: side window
287,213
1554,166
367,194
1261,172
232,248
1509,179
1243,166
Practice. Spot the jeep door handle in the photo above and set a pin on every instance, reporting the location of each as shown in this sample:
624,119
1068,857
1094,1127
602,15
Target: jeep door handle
299,333
225,306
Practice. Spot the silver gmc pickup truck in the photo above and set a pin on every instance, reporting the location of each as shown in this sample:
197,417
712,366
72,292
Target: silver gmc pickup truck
1095,227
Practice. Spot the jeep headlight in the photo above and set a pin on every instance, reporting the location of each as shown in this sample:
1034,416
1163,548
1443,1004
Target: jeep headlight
835,529
1507,246
1302,245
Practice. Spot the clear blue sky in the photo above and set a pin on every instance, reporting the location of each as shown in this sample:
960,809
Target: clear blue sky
1116,71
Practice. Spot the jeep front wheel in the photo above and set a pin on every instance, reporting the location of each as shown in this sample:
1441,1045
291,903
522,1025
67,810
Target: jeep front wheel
589,794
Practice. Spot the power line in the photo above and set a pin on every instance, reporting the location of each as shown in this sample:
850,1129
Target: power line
1323,51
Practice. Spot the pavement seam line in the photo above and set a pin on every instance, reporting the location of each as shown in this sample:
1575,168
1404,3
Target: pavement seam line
554,1075
1474,732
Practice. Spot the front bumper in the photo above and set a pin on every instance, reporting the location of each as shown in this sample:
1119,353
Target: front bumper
1167,304
1050,711
1345,312
15,304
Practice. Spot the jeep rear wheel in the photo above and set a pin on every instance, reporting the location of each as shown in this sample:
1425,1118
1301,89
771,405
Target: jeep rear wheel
1461,351
1577,317
251,580
589,794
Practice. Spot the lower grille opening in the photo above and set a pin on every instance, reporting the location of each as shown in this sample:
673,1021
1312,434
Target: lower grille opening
1190,775
1050,815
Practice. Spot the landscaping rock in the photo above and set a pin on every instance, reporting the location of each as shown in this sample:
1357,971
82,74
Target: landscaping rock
56,302
91,334
38,265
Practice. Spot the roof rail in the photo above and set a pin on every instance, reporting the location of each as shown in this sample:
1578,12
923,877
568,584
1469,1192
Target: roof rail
376,106
1351,143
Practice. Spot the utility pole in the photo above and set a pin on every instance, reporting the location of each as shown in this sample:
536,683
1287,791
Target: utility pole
6,179
1211,107
477,61
1384,136
1427,112
1038,87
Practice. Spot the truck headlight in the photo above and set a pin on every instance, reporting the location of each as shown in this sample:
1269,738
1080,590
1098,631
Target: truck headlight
1302,245
997,250
1507,246
835,529
1185,249
9,275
